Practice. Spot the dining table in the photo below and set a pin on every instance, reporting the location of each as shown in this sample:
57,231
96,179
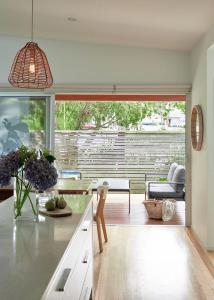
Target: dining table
64,186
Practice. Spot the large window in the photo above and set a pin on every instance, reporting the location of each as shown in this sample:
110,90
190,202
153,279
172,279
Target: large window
22,121
111,139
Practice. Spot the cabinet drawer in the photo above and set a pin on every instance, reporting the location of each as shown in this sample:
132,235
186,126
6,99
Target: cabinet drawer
75,284
88,283
73,256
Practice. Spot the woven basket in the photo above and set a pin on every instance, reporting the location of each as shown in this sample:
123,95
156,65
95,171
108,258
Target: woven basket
154,208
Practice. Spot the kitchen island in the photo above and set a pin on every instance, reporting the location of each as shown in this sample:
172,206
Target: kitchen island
48,259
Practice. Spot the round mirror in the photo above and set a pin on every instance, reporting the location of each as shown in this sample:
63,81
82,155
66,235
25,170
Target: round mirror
197,127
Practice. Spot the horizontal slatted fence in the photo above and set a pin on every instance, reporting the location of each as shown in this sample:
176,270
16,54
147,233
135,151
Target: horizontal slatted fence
119,155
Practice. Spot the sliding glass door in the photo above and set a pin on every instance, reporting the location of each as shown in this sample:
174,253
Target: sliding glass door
24,120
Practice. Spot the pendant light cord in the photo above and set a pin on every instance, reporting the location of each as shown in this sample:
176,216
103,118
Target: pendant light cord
32,23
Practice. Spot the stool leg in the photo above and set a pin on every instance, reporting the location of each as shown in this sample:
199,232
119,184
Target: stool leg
99,234
104,228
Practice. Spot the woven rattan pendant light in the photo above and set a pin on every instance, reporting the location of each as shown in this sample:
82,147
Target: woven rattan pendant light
30,68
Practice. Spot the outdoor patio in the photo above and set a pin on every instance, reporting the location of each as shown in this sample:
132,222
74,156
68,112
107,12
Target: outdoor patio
106,154
87,140
116,211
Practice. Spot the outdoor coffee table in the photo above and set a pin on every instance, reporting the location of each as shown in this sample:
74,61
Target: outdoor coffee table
115,185
70,186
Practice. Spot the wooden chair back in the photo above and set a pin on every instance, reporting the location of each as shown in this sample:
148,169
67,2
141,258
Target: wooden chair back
102,191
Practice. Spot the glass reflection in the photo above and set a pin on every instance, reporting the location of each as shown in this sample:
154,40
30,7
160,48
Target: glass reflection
22,121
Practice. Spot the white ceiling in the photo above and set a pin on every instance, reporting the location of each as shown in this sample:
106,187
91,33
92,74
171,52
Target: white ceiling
167,24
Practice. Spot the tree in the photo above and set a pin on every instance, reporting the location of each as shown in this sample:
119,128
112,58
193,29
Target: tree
181,105
74,115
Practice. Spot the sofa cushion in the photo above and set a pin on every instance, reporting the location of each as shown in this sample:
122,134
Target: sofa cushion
163,190
178,176
171,171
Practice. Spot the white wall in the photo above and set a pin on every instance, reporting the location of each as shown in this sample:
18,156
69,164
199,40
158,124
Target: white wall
79,63
210,145
203,161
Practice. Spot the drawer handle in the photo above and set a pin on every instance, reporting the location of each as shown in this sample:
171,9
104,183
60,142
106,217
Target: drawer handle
85,259
63,280
86,225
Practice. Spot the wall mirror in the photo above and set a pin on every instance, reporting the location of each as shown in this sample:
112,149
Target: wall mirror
197,127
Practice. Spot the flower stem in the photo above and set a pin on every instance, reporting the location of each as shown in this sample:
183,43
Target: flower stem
23,190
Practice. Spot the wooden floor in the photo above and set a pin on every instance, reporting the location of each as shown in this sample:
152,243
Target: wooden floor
150,263
116,211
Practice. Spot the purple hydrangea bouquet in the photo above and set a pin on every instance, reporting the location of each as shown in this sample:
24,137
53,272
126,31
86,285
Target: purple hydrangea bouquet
33,171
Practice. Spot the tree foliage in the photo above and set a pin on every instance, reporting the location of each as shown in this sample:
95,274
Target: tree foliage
74,115
35,116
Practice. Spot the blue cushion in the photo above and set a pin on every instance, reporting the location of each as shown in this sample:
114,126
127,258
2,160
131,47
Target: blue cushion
70,172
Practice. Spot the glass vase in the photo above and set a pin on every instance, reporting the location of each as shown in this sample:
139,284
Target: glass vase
25,201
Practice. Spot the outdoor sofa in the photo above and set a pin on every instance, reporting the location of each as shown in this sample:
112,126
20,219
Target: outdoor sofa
172,188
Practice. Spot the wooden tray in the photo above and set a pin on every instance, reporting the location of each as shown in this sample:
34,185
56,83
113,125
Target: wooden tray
57,213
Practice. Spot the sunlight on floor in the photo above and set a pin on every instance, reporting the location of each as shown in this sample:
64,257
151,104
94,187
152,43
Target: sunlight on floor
150,263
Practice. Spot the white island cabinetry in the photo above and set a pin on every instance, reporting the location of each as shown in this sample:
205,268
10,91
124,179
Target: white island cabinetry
73,277
50,259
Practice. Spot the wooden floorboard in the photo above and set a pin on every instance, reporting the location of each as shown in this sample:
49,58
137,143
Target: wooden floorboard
116,211
150,263
207,256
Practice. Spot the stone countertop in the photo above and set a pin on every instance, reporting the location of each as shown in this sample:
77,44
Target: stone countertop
31,251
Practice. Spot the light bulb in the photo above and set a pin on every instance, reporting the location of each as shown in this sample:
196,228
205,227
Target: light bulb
32,68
